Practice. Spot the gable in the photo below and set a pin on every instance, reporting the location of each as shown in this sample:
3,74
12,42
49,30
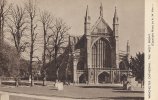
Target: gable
101,27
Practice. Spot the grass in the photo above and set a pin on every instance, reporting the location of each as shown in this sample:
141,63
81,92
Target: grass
21,98
80,92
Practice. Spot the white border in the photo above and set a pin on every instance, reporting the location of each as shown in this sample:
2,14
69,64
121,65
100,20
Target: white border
151,76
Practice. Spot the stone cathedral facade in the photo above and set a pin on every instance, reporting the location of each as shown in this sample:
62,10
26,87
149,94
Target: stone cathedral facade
96,54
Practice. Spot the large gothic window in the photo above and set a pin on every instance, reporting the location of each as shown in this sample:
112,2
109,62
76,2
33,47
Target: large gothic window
101,54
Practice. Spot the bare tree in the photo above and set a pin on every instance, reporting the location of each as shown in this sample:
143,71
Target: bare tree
59,32
4,9
31,8
17,26
49,48
46,19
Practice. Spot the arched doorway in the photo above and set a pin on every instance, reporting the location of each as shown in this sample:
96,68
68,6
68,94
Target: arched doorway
101,54
104,77
82,78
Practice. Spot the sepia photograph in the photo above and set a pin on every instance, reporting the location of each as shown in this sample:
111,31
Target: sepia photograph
72,49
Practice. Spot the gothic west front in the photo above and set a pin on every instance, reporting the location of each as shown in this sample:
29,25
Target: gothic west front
96,56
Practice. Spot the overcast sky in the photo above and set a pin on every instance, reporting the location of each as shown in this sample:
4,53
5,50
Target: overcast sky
130,12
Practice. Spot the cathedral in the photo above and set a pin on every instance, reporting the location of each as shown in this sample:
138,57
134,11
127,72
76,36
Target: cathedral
96,56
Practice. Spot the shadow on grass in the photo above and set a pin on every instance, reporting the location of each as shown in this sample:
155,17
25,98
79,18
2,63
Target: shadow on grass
21,83
102,98
121,90
127,98
40,84
13,83
118,88
126,91
113,87
54,89
8,83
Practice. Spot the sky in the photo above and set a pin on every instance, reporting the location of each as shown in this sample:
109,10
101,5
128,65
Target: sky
130,13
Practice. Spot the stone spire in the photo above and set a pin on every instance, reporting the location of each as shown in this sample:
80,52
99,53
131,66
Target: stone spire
115,23
87,21
128,48
87,12
101,10
115,19
87,17
115,34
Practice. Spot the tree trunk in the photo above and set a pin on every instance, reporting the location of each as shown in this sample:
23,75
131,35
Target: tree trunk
57,74
44,55
56,65
31,51
0,33
18,70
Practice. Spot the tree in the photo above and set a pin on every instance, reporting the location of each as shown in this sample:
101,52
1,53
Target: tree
8,61
59,38
24,64
46,20
17,27
137,66
31,8
49,48
4,9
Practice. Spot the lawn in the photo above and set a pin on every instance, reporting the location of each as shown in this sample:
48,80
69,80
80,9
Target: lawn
80,92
